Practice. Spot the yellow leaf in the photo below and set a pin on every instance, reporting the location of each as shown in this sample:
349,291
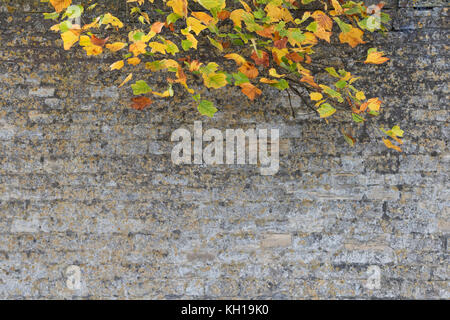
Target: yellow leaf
215,80
117,65
60,5
375,57
69,38
137,48
322,20
128,78
337,7
236,17
236,57
203,17
116,46
374,104
190,37
360,95
195,25
134,61
274,73
178,6
268,81
315,96
158,47
353,37
246,6
108,18
277,12
397,131
162,95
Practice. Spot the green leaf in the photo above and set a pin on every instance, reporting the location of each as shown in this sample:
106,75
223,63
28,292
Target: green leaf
73,11
186,44
207,108
65,26
357,118
281,84
211,4
341,84
312,26
52,16
240,78
326,110
332,71
172,18
140,87
342,25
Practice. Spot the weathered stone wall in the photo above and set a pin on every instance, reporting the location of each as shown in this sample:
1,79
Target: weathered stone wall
86,181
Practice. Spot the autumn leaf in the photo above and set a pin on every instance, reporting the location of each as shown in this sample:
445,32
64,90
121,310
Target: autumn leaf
249,70
127,79
315,96
215,80
236,57
179,7
117,65
70,38
98,42
60,5
352,37
273,73
374,104
157,27
207,108
195,25
134,61
326,110
390,145
375,57
262,58
116,46
203,17
250,90
140,103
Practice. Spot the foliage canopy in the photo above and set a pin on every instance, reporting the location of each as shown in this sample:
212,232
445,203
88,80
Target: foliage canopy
271,42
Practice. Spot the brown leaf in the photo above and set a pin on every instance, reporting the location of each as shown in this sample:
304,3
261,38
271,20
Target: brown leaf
98,42
262,59
281,44
140,103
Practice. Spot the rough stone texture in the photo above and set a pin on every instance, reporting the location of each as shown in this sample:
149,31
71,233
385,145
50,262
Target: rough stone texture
86,181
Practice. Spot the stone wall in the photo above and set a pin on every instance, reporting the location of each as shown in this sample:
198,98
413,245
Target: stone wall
87,181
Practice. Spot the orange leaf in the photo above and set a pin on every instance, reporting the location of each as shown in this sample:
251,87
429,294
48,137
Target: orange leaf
249,70
60,5
353,37
250,90
390,145
157,27
375,57
224,14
